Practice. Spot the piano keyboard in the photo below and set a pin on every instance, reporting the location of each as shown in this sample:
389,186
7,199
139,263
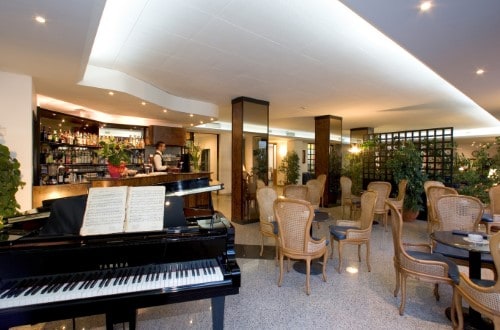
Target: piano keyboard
47,289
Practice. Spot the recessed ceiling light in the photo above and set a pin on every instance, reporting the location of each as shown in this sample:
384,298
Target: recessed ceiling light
143,103
40,19
191,124
480,72
201,121
212,119
425,5
191,115
164,110
111,93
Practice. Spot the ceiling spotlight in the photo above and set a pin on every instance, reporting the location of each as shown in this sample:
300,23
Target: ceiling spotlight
211,119
191,124
40,19
165,110
479,72
425,5
201,121
191,115
143,103
111,93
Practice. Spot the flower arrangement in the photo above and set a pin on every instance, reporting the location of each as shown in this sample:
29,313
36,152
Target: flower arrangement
10,181
115,152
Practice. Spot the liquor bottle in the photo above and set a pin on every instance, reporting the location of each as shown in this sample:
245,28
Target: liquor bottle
43,134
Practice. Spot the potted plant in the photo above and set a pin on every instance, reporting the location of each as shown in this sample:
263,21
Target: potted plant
290,167
406,163
473,177
116,155
195,155
10,182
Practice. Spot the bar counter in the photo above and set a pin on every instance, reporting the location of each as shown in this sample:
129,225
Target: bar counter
41,193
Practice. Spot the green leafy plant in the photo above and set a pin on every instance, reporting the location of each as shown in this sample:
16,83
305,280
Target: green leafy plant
290,167
194,155
114,151
10,182
406,163
474,176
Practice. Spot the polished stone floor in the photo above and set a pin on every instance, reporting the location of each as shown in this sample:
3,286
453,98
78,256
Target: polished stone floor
351,300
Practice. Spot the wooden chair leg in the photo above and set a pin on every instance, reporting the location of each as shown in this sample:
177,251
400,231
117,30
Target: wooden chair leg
308,275
368,256
403,294
339,270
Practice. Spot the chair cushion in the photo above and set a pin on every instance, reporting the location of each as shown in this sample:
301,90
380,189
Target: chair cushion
339,232
327,242
453,272
453,252
487,217
275,227
483,283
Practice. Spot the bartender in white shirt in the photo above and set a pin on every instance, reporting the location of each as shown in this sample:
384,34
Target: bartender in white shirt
158,157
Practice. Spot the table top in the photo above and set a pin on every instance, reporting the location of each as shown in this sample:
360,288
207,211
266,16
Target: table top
451,238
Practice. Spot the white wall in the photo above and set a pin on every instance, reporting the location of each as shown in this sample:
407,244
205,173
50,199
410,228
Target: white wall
16,127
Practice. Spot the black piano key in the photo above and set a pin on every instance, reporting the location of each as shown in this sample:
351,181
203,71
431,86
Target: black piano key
71,282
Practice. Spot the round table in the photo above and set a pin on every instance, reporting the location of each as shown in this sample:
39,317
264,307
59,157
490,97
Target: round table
457,239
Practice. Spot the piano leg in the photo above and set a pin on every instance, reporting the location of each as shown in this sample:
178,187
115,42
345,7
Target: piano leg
218,312
121,316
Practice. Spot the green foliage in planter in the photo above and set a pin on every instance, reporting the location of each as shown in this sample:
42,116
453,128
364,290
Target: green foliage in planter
471,176
114,151
260,158
353,169
290,167
10,182
406,163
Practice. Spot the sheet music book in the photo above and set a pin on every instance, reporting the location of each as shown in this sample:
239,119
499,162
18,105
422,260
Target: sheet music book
123,209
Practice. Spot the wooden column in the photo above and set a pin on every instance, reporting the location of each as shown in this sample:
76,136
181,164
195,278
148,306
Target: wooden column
249,111
325,126
237,201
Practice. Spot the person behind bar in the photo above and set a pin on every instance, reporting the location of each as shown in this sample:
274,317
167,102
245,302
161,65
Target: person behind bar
158,157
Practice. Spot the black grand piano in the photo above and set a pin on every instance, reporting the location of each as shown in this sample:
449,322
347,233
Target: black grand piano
52,273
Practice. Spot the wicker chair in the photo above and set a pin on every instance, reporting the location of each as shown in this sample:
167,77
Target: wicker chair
348,199
482,295
383,190
458,212
494,194
268,227
417,261
295,191
314,188
356,232
427,185
399,200
294,219
322,179
433,193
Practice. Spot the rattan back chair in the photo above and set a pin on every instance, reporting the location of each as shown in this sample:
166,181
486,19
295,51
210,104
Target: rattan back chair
268,227
428,184
383,189
314,187
458,212
295,191
494,194
355,232
294,219
417,261
348,199
399,200
433,193
483,296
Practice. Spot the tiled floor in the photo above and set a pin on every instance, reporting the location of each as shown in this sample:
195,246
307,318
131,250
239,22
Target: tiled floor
362,300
